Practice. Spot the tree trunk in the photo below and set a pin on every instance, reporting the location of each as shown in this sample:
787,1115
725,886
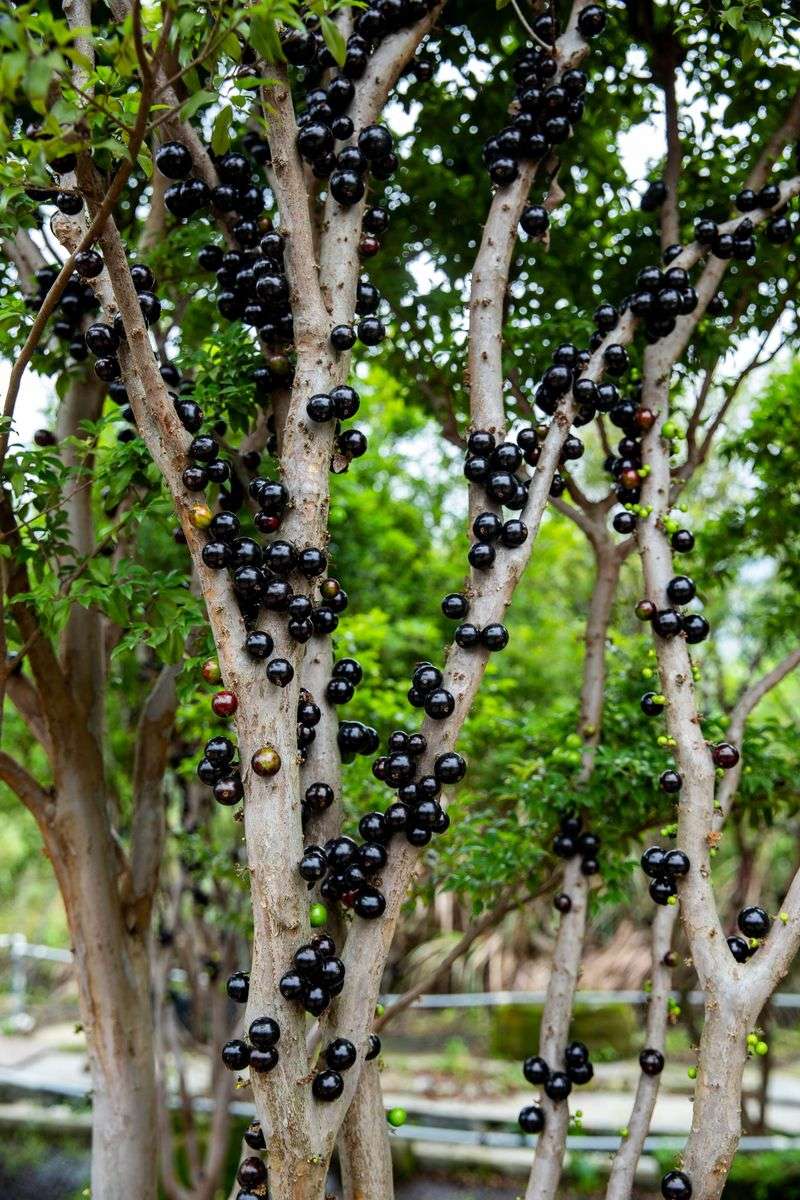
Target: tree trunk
607,566
717,1118
292,1178
626,1160
556,1018
364,1152
113,981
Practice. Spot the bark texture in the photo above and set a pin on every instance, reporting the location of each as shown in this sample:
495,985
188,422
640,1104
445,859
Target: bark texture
364,1152
626,1159
556,1018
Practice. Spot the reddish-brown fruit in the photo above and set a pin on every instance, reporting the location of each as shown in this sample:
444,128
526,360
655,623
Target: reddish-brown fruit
224,704
725,755
369,246
645,418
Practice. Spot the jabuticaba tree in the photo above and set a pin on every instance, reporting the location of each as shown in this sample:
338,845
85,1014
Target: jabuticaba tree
248,158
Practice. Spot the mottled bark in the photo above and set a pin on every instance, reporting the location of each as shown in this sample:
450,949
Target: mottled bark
364,1152
626,1159
607,564
556,1017
113,979
716,1114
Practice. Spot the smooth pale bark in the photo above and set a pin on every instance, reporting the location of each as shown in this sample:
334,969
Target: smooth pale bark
623,1167
557,1013
556,1018
608,562
717,1112
716,1125
364,1152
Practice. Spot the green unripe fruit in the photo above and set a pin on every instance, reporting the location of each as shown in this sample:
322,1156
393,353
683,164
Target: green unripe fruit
397,1117
317,915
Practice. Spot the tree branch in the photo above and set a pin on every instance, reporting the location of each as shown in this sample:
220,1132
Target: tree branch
26,257
25,698
153,742
626,1159
696,806
749,698
33,796
364,1152
556,1018
56,291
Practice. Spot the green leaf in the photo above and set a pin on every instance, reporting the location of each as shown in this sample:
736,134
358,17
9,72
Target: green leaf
264,37
334,39
197,101
221,132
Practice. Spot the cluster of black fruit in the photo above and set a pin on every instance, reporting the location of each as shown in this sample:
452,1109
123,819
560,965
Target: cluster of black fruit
489,530
740,243
251,281
315,976
238,192
669,622
103,340
546,105
455,605
557,1085
324,120
373,22
253,288
77,301
659,298
754,924
218,770
567,373
572,839
663,868
416,812
346,870
494,466
259,1052
339,1056
338,405
322,123
398,770
260,573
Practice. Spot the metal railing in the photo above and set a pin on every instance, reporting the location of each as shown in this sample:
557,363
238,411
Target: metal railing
22,954
20,950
